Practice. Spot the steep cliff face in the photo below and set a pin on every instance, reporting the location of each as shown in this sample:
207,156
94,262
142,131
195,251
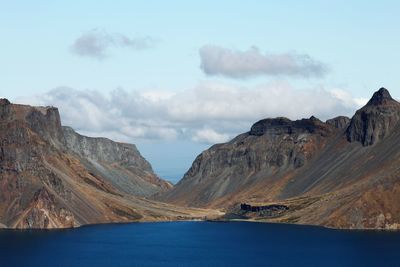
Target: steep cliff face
105,150
24,147
48,179
282,126
121,164
343,173
375,120
340,122
269,151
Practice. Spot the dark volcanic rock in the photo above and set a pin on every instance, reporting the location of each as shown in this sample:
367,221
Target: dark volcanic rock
51,178
375,120
381,97
305,171
255,208
4,108
271,147
4,102
283,125
340,122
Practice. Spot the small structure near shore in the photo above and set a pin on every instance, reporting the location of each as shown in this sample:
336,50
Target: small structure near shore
265,210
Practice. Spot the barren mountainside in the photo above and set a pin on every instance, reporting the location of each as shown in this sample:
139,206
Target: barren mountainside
52,177
342,173
119,163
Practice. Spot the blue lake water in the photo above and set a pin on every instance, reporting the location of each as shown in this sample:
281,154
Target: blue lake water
199,244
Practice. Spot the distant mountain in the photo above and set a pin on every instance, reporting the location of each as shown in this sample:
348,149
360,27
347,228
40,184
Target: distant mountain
52,177
342,173
121,164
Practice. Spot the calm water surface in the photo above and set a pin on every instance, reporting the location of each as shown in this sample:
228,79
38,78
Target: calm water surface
199,244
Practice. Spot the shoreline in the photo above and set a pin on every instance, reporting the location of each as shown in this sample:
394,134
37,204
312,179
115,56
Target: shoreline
199,221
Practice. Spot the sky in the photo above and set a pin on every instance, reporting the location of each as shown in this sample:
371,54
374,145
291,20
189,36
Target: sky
175,77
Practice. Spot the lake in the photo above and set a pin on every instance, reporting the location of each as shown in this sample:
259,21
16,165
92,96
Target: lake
199,244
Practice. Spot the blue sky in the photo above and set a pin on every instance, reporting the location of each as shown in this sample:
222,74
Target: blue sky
152,57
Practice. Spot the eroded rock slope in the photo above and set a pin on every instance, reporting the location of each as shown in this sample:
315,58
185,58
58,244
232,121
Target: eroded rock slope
52,177
342,173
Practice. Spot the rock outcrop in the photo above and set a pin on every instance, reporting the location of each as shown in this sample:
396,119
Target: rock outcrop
280,126
120,163
340,122
52,177
270,149
375,120
343,173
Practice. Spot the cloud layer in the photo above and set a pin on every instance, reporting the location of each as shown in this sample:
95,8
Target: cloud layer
216,60
209,113
95,43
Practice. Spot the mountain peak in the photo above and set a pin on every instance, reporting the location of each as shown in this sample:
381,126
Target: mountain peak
375,120
282,125
4,102
380,97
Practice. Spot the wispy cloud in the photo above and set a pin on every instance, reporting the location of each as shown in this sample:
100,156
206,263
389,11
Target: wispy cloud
95,43
209,113
216,60
209,136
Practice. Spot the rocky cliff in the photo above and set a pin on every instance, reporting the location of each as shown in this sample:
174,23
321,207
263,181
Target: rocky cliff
375,120
120,163
52,177
271,149
340,173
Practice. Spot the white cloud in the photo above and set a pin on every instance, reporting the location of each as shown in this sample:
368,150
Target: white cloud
360,101
95,43
209,136
217,60
210,112
347,99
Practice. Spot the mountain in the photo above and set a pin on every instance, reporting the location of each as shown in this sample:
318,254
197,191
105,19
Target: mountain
121,164
375,120
53,177
342,173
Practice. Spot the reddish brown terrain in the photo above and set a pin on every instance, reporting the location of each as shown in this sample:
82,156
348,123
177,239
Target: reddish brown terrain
52,177
342,173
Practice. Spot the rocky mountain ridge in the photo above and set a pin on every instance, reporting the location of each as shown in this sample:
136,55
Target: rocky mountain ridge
120,162
342,173
52,177
375,120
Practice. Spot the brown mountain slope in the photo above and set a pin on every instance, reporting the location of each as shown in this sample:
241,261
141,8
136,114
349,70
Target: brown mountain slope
120,163
341,173
51,177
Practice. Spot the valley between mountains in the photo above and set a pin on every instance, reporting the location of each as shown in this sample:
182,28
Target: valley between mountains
341,173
